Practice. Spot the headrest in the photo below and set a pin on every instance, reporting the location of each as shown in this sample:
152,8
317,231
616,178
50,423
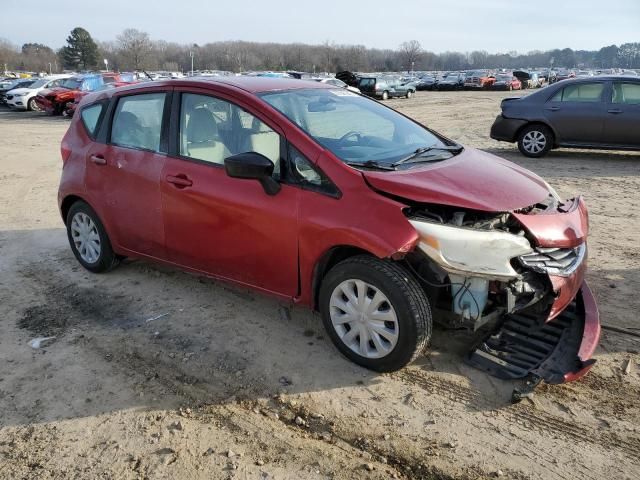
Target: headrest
202,126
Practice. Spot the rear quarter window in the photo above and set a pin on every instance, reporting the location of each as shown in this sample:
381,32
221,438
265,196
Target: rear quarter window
91,116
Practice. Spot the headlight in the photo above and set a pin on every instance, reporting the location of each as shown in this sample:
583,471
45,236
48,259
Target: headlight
484,253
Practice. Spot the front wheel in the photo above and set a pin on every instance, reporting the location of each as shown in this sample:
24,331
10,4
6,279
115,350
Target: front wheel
535,141
375,312
33,106
409,93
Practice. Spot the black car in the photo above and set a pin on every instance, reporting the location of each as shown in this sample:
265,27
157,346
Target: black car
453,81
426,83
596,112
5,86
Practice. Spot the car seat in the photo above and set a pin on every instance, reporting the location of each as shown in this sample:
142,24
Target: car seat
203,141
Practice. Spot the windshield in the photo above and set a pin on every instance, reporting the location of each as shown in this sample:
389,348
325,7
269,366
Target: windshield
39,83
352,127
71,83
21,84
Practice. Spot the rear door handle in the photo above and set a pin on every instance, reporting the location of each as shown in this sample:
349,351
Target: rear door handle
553,109
98,159
614,110
180,180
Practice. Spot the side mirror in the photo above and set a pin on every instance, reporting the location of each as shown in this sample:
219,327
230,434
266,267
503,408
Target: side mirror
252,165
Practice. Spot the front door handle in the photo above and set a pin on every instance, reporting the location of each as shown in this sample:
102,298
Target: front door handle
614,111
180,180
553,109
98,159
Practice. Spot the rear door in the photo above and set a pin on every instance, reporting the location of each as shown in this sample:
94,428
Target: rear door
577,112
123,173
622,122
225,226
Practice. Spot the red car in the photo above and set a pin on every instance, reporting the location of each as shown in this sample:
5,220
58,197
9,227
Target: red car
326,198
506,82
78,95
54,101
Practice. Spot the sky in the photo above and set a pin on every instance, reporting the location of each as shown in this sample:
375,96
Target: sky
442,25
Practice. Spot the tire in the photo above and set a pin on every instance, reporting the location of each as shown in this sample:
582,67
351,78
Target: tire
404,305
535,141
385,95
77,223
409,94
33,106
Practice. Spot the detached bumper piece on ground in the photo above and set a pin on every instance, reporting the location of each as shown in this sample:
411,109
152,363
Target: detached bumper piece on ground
557,351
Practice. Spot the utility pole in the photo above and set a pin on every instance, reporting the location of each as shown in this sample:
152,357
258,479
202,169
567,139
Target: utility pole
191,55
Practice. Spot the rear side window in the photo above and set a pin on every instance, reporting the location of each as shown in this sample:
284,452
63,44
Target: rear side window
90,118
583,92
627,93
137,122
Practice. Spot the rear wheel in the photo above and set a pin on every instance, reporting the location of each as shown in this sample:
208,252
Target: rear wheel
385,95
88,239
375,312
409,93
535,141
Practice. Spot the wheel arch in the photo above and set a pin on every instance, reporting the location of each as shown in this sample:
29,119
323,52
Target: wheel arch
538,122
68,201
327,261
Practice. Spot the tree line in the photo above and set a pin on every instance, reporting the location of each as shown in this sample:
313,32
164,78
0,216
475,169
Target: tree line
135,50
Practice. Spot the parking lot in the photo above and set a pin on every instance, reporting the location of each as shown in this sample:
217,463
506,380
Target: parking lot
163,374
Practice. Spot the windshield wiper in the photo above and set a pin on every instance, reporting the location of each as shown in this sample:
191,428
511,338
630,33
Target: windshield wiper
372,164
421,151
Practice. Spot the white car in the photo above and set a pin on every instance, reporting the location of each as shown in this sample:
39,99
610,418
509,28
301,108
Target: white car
25,98
337,83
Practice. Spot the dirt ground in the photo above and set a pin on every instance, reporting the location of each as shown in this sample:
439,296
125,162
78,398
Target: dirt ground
231,384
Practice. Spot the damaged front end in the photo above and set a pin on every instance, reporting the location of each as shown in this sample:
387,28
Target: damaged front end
517,275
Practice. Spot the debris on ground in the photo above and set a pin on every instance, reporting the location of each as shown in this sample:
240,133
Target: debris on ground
40,342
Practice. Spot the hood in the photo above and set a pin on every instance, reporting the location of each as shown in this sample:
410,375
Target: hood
473,179
58,92
17,91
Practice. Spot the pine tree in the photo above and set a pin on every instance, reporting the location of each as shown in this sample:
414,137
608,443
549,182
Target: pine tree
81,52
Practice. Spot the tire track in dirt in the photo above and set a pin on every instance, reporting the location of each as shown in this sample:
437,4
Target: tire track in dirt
473,400
526,416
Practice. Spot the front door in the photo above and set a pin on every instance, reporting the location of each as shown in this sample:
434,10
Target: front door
221,225
576,113
622,121
125,173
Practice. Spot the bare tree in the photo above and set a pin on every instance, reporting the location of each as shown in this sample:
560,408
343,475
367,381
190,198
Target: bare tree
134,46
410,52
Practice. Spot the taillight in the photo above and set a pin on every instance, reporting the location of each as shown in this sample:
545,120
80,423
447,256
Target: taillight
65,151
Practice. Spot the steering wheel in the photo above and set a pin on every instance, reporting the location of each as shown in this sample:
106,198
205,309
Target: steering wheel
349,134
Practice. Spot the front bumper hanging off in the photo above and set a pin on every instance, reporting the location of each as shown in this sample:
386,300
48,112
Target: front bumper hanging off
556,351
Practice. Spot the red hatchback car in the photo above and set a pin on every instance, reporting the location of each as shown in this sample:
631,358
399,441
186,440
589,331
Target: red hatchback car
335,201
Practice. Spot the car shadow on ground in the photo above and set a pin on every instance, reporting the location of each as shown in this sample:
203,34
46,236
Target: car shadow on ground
149,336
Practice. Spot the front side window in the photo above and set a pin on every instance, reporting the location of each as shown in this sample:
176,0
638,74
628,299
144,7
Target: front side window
627,93
137,122
352,127
581,92
303,173
212,129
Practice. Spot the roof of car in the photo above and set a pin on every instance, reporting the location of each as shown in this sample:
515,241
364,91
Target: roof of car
249,84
